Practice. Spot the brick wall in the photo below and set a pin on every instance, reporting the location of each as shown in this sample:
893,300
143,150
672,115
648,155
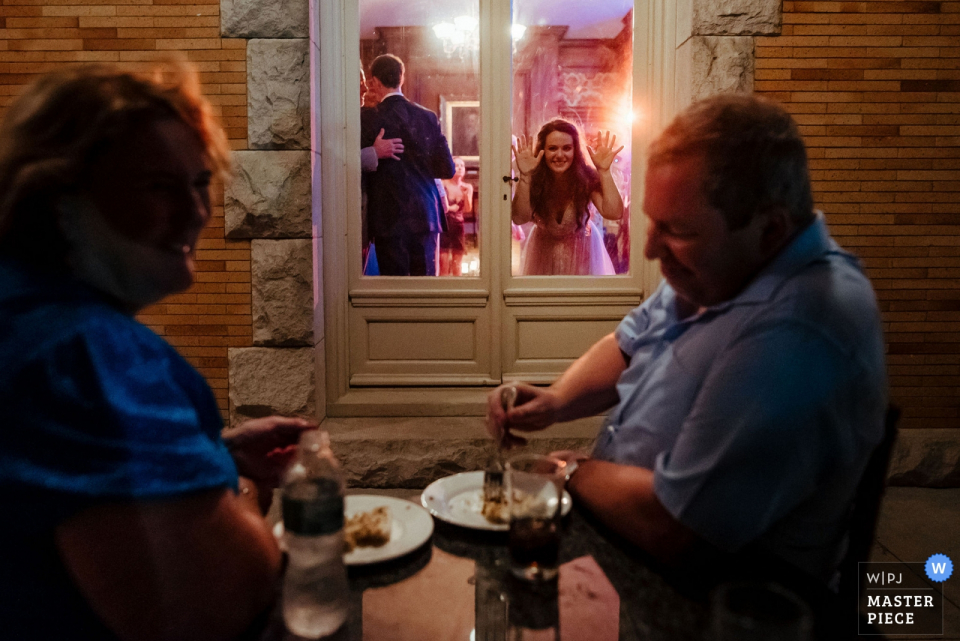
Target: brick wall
38,36
875,86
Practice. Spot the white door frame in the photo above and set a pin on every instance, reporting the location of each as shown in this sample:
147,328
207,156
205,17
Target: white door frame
346,296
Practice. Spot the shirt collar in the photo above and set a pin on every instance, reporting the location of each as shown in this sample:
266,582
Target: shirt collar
391,94
808,246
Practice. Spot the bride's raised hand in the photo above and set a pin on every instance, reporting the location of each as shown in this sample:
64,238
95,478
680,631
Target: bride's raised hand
604,153
523,151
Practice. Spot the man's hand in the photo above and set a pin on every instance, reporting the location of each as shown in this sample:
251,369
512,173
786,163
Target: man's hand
536,408
388,148
262,448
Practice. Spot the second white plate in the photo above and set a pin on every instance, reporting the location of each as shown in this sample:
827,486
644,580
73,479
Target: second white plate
458,499
410,528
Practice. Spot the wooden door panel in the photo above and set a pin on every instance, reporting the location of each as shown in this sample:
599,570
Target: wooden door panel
404,346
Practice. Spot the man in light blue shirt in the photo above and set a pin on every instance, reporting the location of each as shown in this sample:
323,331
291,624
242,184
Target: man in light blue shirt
749,390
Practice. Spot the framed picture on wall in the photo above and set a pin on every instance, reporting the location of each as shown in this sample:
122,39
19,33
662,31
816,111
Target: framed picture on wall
461,125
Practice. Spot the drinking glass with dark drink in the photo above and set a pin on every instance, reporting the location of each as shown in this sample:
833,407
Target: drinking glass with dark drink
534,490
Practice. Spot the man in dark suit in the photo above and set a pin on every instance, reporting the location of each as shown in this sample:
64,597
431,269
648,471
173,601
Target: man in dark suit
404,211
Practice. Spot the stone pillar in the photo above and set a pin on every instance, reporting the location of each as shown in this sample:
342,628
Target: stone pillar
278,94
709,65
925,458
270,202
264,18
269,196
735,17
265,381
282,278
715,44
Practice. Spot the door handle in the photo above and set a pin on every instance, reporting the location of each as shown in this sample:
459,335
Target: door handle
507,179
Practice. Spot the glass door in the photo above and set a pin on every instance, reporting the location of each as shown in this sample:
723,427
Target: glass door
569,279
483,77
420,66
571,125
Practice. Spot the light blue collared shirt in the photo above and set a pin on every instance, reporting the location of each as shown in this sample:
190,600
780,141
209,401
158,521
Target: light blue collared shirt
758,414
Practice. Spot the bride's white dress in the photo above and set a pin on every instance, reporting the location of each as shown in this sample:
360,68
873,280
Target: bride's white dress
554,248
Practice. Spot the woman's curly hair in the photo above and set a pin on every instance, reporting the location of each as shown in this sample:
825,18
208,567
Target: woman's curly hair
544,195
58,128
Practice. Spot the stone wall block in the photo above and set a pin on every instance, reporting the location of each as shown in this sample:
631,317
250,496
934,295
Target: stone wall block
736,17
266,381
708,65
412,463
278,94
281,273
269,196
925,458
264,18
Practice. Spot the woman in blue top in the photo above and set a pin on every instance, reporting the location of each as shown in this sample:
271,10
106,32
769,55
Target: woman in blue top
124,513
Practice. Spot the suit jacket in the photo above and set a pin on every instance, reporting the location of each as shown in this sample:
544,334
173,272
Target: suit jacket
402,196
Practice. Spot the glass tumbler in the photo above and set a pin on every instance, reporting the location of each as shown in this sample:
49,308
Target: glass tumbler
534,486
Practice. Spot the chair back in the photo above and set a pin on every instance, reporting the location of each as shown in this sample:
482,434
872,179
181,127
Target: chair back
866,509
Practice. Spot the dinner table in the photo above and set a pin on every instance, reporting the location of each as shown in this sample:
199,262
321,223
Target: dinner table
457,586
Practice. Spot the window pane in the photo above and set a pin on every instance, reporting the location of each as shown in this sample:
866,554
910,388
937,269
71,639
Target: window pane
572,61
406,221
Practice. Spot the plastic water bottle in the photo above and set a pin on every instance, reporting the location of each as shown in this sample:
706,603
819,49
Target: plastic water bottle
315,586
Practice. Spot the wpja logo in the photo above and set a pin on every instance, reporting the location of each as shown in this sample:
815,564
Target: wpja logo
903,598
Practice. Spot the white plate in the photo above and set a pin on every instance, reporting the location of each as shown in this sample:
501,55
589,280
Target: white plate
458,499
410,528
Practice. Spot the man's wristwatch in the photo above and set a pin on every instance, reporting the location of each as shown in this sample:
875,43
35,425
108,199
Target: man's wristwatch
571,467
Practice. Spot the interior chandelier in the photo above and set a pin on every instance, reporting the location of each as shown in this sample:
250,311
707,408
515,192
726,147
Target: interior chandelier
463,34
459,36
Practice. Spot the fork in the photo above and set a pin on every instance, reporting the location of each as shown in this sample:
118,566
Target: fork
493,475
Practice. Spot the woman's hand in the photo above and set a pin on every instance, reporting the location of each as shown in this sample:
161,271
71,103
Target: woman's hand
603,154
523,151
262,448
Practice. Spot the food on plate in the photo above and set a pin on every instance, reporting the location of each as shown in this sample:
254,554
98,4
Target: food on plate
495,509
368,529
